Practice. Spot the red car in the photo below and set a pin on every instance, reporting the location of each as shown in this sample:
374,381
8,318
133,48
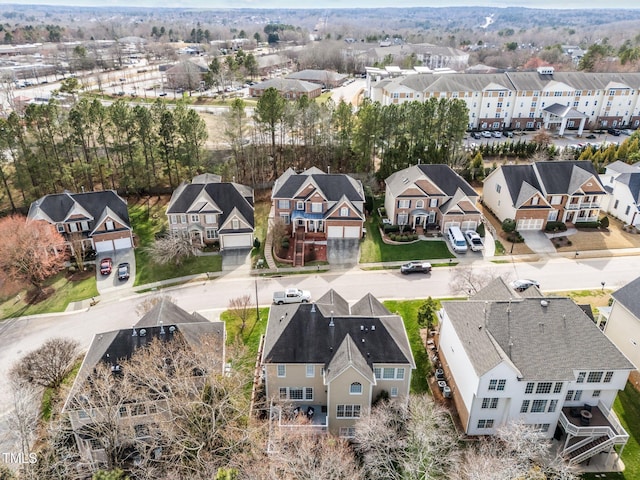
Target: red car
105,266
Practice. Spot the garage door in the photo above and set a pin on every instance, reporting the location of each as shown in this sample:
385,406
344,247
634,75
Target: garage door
104,246
451,224
237,241
334,232
120,243
470,225
530,224
351,232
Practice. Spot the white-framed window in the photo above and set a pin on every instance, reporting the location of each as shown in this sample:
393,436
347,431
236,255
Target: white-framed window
348,411
577,396
419,203
348,432
535,201
183,218
433,202
404,203
283,393
497,384
299,205
552,216
355,388
84,226
284,204
485,423
311,371
282,371
173,219
377,371
403,219
394,392
235,224
544,387
489,403
594,377
557,388
209,218
529,387
211,233
138,409
538,406
95,444
316,207
195,218
569,396
607,377
596,393
389,373
524,408
152,408
581,376
286,219
60,228
542,427
123,412
552,405
400,373
295,393
344,211
73,227
498,187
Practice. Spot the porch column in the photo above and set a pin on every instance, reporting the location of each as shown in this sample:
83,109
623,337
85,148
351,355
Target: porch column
583,120
563,125
547,120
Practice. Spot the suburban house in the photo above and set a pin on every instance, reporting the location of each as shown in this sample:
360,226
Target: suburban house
622,182
329,361
209,210
99,220
131,416
324,78
318,206
623,321
538,360
431,197
291,89
541,192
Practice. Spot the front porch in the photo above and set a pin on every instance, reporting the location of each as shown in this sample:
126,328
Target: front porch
590,431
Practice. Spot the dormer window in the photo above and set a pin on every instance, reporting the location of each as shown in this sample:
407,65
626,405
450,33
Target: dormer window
109,225
299,205
344,212
235,224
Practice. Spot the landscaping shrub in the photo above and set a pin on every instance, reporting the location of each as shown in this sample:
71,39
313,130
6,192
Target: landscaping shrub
587,224
556,227
285,243
480,230
604,222
509,225
256,243
391,228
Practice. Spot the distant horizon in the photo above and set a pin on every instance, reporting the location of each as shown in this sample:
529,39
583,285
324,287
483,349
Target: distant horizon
327,4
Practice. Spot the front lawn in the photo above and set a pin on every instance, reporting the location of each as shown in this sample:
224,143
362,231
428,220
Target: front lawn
261,219
373,249
252,332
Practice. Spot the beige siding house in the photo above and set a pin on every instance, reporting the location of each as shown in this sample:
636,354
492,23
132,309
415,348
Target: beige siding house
329,361
623,321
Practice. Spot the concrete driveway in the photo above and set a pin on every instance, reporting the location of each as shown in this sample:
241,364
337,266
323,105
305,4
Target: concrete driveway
105,283
343,251
537,241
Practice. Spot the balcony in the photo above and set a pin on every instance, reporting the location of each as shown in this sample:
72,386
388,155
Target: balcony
589,435
582,206
300,417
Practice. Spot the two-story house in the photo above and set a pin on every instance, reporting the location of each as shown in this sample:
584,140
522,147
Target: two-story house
330,361
106,414
622,182
209,210
542,192
99,219
431,196
537,360
318,206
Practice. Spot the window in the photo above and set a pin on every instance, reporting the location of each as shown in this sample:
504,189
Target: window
60,228
211,233
284,204
283,393
552,405
626,211
595,394
594,377
569,396
403,218
299,205
394,391
485,423
73,227
433,202
607,377
235,224
355,388
173,219
311,371
524,408
581,376
489,403
348,411
400,374
529,388
389,373
195,218
493,384
377,371
542,427
152,408
183,219
344,211
308,393
538,406
282,370
348,432
419,203
316,207
544,387
404,203
141,430
84,226
535,200
137,410
285,218
109,225
209,218
501,384
122,411
557,388
498,188
295,393
577,396
95,444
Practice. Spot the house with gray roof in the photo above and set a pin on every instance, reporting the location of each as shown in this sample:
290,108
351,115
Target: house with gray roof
537,360
622,325
318,206
98,220
324,78
191,345
289,88
541,192
431,196
622,183
208,210
329,361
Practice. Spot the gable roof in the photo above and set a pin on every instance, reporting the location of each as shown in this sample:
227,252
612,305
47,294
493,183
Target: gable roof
347,356
543,338
331,186
226,196
628,297
565,177
516,176
441,175
284,85
56,208
632,182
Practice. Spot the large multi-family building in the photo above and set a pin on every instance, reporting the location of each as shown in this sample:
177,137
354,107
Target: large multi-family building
525,100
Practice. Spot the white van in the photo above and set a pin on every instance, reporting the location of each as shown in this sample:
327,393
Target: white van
456,239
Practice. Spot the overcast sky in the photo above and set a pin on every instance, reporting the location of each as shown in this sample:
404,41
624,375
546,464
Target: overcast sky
323,4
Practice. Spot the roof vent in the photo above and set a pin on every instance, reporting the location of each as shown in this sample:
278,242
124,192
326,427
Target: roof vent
134,333
161,328
362,328
143,332
544,303
373,327
313,307
172,329
363,340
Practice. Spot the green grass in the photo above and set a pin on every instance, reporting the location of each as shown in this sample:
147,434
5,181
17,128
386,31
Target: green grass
252,332
627,408
408,310
500,250
65,293
51,395
261,219
373,249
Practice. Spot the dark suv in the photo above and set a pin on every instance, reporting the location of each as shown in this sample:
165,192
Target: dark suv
613,131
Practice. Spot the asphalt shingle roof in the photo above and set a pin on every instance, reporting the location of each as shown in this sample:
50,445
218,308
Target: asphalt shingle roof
57,206
563,178
332,186
629,297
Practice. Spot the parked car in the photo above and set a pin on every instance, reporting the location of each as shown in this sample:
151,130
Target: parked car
486,134
124,270
415,267
626,131
105,266
497,134
291,295
508,134
614,131
476,134
522,284
474,240
591,136
162,94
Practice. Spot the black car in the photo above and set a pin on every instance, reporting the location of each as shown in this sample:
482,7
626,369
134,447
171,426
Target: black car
124,269
614,131
415,267
591,136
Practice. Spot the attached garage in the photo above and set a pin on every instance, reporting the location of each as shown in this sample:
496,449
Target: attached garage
530,224
469,225
448,225
335,232
120,243
351,232
241,240
104,246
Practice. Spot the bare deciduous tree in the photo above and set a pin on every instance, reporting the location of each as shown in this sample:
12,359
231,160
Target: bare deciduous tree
467,281
148,303
76,241
278,231
239,308
48,365
23,420
172,249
